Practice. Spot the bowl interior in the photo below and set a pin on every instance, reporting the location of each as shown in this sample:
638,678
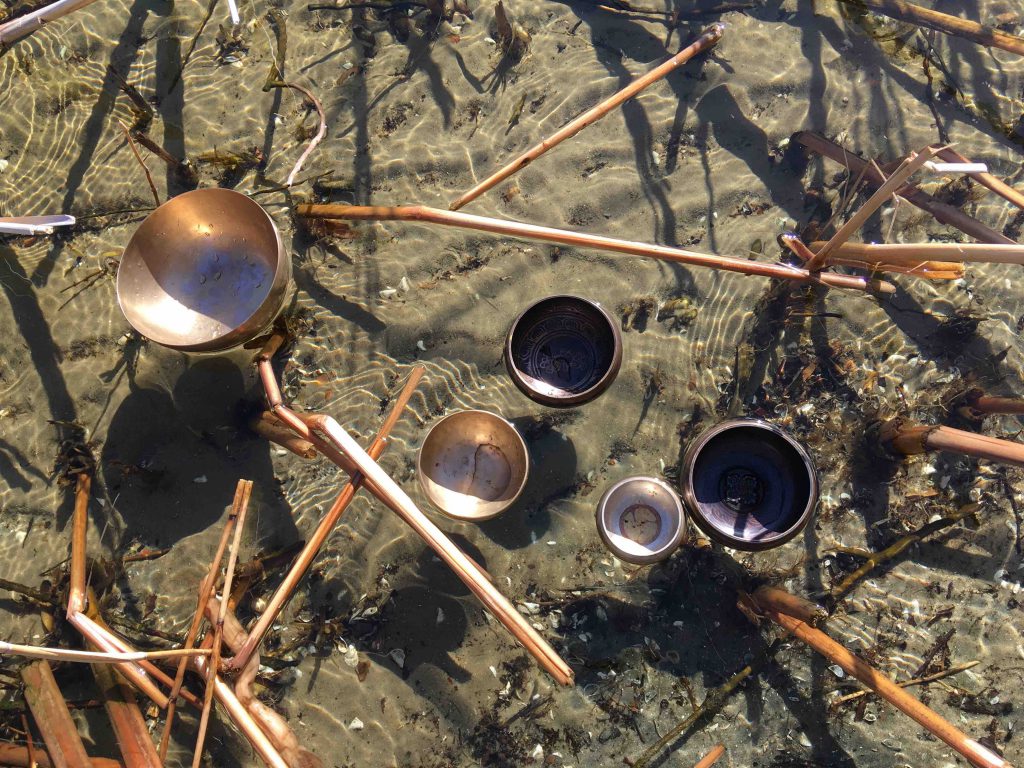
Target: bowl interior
641,519
198,267
562,347
473,465
752,485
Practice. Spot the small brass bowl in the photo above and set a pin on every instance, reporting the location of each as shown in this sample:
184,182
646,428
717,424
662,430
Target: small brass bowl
473,465
563,351
206,271
749,485
641,520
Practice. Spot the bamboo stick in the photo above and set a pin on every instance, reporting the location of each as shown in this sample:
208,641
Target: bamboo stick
301,565
942,212
25,25
238,511
908,683
19,757
915,253
889,187
905,438
711,36
942,22
206,588
711,757
93,657
884,687
565,237
128,723
50,711
994,183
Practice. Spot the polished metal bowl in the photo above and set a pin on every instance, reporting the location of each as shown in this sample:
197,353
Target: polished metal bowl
206,271
563,351
473,465
641,520
748,484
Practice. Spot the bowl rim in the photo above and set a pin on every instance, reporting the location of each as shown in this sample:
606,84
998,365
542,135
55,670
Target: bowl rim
678,537
421,473
716,534
232,338
522,380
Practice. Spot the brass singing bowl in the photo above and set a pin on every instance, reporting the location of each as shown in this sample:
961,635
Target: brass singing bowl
473,465
206,271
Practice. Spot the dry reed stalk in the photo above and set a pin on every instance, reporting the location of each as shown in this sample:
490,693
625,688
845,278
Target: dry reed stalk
31,22
19,757
956,670
916,253
145,168
30,746
994,183
786,602
577,239
137,672
321,131
302,563
206,588
943,22
50,711
907,439
942,212
706,40
929,270
884,687
267,426
126,719
888,188
238,512
711,757
93,657
982,404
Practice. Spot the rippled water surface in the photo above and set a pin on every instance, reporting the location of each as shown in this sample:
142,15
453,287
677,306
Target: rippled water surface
417,116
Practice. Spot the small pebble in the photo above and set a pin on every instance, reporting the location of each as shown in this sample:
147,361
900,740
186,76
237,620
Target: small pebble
200,479
356,724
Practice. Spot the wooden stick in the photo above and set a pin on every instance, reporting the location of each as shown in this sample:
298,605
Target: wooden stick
905,438
19,756
984,404
206,589
915,253
128,723
91,657
267,426
931,270
29,744
942,212
942,22
301,565
711,757
565,237
875,559
908,683
238,511
79,531
711,36
52,717
145,168
908,168
884,687
25,25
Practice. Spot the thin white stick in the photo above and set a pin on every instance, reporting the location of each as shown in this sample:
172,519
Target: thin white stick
33,225
93,657
956,167
233,10
315,140
30,22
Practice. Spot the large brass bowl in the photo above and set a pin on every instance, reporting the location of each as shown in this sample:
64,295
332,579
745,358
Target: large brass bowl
206,271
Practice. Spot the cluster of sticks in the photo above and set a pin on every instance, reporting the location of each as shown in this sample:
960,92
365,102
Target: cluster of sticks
931,260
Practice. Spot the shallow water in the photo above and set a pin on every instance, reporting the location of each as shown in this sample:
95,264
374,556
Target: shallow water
696,161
